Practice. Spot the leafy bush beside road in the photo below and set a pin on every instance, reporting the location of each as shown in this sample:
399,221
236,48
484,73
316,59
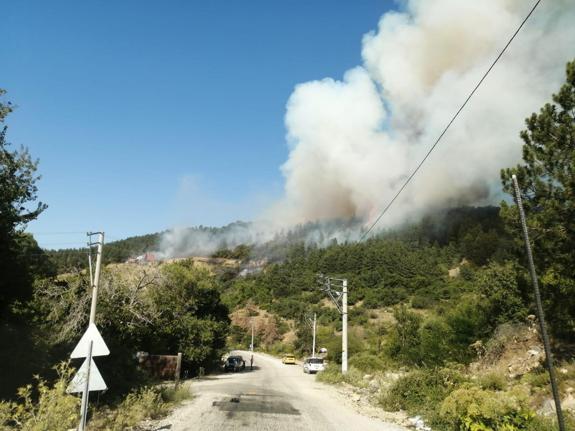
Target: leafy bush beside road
47,407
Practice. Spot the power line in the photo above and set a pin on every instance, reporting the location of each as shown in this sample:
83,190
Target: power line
56,233
450,123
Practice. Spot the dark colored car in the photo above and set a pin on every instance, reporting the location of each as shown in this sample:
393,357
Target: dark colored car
234,364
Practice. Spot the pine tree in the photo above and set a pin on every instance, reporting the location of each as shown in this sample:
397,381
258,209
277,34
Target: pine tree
547,183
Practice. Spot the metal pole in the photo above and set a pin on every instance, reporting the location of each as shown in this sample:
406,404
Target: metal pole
178,370
313,344
344,328
252,345
86,393
540,315
90,261
96,278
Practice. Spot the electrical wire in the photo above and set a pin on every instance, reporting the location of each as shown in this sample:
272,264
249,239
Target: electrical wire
388,206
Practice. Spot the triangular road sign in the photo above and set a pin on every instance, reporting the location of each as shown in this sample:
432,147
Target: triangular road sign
99,347
96,382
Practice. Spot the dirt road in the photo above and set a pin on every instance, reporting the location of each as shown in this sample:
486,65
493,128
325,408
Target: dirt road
271,397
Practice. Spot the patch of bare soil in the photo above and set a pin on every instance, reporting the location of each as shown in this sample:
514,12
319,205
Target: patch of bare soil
513,351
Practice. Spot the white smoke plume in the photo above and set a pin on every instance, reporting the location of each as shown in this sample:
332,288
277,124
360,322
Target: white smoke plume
353,142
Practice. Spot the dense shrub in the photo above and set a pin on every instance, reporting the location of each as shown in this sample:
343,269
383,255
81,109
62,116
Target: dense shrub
422,392
505,292
333,345
422,301
435,342
403,343
468,321
367,362
332,374
384,296
358,316
137,406
471,408
42,406
47,407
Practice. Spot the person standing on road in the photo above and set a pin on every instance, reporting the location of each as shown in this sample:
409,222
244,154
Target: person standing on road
252,362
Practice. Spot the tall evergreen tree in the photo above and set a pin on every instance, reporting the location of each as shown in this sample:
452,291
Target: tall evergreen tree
547,182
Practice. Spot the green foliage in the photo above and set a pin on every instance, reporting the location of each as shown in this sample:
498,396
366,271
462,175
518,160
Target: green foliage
333,344
436,342
144,403
502,286
547,184
241,252
420,301
18,206
539,423
174,309
473,409
403,343
379,297
5,107
332,375
42,407
21,260
493,381
422,392
193,319
367,362
469,321
47,407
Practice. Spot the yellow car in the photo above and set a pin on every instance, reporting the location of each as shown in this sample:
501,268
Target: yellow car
288,359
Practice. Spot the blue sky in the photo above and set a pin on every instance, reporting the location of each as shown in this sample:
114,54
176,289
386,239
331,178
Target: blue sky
146,115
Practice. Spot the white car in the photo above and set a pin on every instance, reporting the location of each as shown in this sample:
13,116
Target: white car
313,365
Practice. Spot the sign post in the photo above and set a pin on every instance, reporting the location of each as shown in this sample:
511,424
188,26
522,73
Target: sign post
88,377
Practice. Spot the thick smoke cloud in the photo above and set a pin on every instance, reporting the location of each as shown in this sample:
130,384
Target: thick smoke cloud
352,142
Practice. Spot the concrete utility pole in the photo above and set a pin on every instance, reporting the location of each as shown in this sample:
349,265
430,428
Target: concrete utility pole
338,296
313,343
540,314
344,328
312,323
96,279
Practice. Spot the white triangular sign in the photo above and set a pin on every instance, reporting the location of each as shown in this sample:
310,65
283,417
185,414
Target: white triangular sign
96,382
99,348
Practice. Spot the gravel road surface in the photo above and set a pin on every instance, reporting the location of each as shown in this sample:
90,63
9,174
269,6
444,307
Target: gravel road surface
271,397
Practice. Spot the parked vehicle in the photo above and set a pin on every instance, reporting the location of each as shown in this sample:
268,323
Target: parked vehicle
234,364
313,365
288,359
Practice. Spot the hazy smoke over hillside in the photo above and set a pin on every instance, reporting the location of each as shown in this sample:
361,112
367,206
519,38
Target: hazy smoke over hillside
354,141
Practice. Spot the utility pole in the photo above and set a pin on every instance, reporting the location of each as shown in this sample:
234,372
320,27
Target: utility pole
339,298
540,314
344,328
312,324
96,279
313,344
252,344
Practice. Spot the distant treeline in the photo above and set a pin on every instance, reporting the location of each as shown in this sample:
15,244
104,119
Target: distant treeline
69,259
